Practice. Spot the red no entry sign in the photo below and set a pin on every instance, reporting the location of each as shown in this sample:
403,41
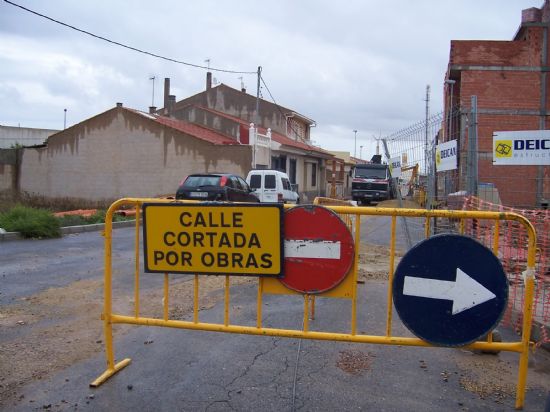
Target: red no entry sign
319,249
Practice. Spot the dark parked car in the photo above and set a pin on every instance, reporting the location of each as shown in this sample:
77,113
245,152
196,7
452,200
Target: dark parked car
216,186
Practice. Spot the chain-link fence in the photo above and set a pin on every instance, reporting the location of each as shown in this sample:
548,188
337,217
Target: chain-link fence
468,136
473,182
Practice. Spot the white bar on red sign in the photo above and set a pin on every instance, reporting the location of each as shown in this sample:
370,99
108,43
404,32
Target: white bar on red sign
312,249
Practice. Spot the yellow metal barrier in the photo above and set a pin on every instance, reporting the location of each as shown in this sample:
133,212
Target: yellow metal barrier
521,346
328,201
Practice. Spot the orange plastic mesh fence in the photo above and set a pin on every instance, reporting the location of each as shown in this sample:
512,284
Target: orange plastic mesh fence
512,251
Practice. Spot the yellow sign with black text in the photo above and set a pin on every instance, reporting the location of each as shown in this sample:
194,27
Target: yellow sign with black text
242,239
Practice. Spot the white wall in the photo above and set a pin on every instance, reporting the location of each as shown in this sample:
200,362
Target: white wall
24,136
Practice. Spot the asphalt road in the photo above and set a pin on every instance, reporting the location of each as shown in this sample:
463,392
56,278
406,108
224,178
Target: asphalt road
377,230
191,370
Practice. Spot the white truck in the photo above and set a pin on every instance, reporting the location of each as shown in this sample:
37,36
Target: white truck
272,186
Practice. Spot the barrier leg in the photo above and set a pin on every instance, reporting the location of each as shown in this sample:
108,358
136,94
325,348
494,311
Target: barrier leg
525,337
112,368
107,307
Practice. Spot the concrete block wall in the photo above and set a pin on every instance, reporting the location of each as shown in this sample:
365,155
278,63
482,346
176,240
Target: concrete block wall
122,154
6,177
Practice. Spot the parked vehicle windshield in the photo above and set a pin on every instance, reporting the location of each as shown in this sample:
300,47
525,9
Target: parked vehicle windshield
198,181
370,173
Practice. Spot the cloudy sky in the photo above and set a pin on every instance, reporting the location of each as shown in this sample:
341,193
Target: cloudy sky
353,65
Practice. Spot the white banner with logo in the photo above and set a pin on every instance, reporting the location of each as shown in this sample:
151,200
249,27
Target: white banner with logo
445,156
531,147
395,167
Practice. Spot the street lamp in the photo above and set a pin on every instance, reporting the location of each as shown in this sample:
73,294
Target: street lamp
361,152
355,147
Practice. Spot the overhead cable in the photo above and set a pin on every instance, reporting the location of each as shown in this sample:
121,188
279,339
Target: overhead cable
126,46
282,113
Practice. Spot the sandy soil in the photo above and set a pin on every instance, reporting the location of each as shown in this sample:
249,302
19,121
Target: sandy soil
50,331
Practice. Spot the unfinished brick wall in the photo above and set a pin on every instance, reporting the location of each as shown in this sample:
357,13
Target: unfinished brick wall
507,77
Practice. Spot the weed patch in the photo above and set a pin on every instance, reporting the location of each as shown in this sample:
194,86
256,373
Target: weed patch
30,222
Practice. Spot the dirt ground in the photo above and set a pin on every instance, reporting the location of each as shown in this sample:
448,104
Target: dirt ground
52,330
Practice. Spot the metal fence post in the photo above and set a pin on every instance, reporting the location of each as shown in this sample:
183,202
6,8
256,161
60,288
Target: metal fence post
472,180
397,192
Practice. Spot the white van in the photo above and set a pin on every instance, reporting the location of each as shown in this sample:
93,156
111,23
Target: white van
272,186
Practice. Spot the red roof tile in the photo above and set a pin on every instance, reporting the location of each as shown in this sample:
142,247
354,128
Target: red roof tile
191,129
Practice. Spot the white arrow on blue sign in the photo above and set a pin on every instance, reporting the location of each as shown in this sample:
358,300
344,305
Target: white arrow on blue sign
464,292
450,290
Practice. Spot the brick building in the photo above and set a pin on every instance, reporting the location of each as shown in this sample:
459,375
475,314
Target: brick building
510,80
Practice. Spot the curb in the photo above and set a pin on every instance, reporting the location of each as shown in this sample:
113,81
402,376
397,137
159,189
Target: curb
69,230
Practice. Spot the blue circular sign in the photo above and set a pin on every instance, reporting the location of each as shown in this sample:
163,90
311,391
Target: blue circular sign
450,290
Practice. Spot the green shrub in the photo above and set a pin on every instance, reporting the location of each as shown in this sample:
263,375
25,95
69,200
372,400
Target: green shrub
97,217
72,220
31,223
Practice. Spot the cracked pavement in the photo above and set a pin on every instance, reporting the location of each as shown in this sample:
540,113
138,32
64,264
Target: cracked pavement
184,370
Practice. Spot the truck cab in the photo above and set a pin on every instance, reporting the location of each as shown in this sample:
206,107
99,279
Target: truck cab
371,182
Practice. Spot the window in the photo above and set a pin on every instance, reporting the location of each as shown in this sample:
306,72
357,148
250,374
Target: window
244,185
286,184
269,182
256,181
292,170
295,129
229,182
278,163
236,183
198,181
314,174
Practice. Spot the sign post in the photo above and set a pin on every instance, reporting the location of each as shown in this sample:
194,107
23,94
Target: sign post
450,290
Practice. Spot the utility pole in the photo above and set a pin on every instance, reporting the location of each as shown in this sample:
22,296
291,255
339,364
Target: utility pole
258,96
355,147
426,155
472,148
253,133
64,119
